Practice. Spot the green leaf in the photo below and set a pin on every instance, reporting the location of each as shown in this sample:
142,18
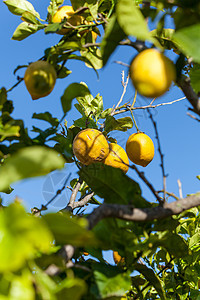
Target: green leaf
53,7
93,54
71,288
51,28
74,90
112,185
131,20
122,124
165,38
8,130
110,280
3,97
85,122
29,162
22,235
188,40
22,287
18,7
24,30
30,18
194,74
113,35
152,278
84,59
91,4
46,117
70,230
62,72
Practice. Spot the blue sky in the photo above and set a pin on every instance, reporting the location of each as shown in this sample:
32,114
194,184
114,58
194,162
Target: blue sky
179,134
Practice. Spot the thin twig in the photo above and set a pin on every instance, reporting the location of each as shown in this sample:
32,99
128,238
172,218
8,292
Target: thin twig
169,194
180,189
193,117
44,207
161,154
125,109
16,84
124,84
141,175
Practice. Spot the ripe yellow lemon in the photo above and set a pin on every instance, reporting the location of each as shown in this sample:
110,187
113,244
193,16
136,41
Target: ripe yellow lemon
40,78
90,146
117,258
68,13
140,149
117,158
152,73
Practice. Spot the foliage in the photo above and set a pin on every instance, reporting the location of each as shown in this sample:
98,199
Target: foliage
43,255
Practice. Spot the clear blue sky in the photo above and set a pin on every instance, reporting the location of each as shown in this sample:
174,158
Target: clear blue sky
179,134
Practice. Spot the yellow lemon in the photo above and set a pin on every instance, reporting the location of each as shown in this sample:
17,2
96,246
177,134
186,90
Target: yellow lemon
40,78
68,13
140,149
90,146
152,73
117,157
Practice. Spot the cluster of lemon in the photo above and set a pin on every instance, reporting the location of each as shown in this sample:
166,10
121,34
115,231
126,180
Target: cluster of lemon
90,146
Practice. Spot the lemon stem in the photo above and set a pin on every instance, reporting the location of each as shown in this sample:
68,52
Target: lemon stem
134,120
134,100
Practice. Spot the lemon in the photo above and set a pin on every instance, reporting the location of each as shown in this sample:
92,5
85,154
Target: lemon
68,13
152,73
40,78
90,146
140,149
117,157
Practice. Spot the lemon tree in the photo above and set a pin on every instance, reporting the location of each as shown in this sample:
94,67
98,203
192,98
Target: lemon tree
154,241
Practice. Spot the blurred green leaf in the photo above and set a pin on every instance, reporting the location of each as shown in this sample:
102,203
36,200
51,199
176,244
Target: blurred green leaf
113,35
29,162
71,288
22,287
110,280
8,130
152,278
18,7
194,74
46,116
3,97
22,235
53,6
131,20
74,90
122,124
112,185
24,30
70,230
188,40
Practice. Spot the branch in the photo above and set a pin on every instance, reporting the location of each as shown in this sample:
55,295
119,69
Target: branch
150,186
129,213
164,175
83,201
184,84
123,109
74,194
